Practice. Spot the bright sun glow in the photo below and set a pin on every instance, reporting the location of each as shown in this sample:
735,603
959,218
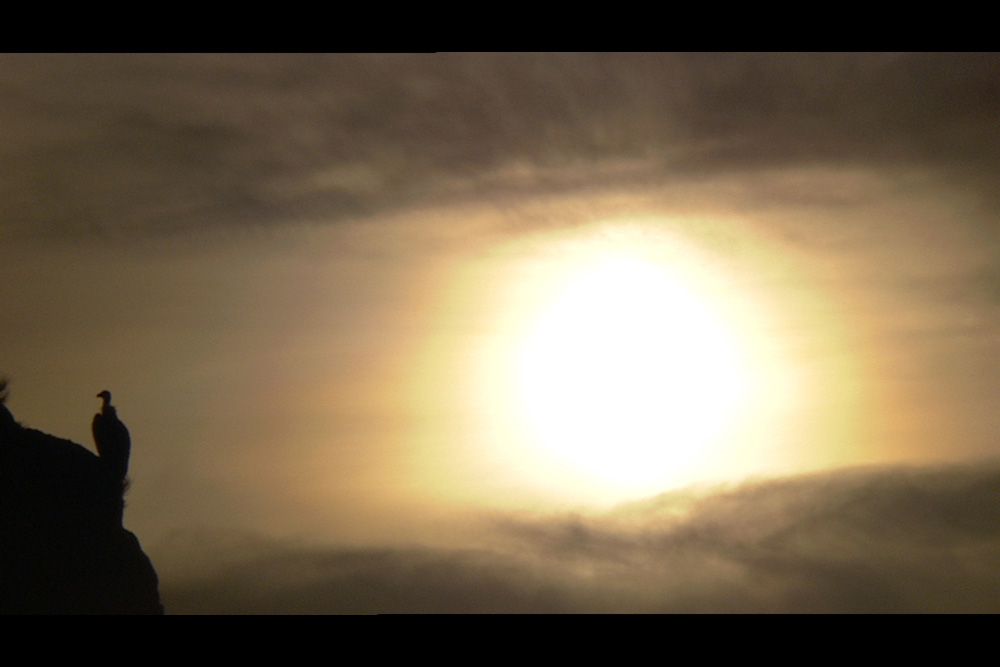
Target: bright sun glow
627,373
618,360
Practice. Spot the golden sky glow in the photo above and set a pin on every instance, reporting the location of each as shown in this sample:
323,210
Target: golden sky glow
373,299
598,364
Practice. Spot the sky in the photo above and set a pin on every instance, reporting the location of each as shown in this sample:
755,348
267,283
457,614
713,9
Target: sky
491,332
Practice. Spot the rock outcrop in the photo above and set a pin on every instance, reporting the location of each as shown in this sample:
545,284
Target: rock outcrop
63,549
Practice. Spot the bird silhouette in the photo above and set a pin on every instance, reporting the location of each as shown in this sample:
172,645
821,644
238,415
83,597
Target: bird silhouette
112,439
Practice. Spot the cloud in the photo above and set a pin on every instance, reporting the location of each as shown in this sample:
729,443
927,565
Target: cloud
880,540
94,143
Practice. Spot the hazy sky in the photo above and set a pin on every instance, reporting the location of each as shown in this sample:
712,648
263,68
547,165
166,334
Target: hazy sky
366,318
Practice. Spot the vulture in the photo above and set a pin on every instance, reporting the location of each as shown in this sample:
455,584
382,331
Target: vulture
112,439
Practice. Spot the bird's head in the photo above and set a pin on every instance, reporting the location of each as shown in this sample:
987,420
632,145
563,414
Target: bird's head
106,397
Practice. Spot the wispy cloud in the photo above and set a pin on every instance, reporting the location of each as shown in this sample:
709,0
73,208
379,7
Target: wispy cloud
867,540
100,142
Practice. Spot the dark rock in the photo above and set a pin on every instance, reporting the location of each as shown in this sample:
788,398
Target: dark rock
63,549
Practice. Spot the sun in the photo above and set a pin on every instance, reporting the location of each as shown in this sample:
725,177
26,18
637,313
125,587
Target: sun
627,357
625,373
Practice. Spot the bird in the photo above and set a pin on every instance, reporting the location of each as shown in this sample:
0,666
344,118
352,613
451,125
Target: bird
114,444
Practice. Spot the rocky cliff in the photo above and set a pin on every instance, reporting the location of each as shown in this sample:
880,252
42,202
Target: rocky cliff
63,549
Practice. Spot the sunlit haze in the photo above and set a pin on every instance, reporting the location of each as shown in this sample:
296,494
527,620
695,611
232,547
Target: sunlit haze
518,332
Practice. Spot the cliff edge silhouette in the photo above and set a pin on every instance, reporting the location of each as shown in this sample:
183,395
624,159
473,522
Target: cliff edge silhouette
63,549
